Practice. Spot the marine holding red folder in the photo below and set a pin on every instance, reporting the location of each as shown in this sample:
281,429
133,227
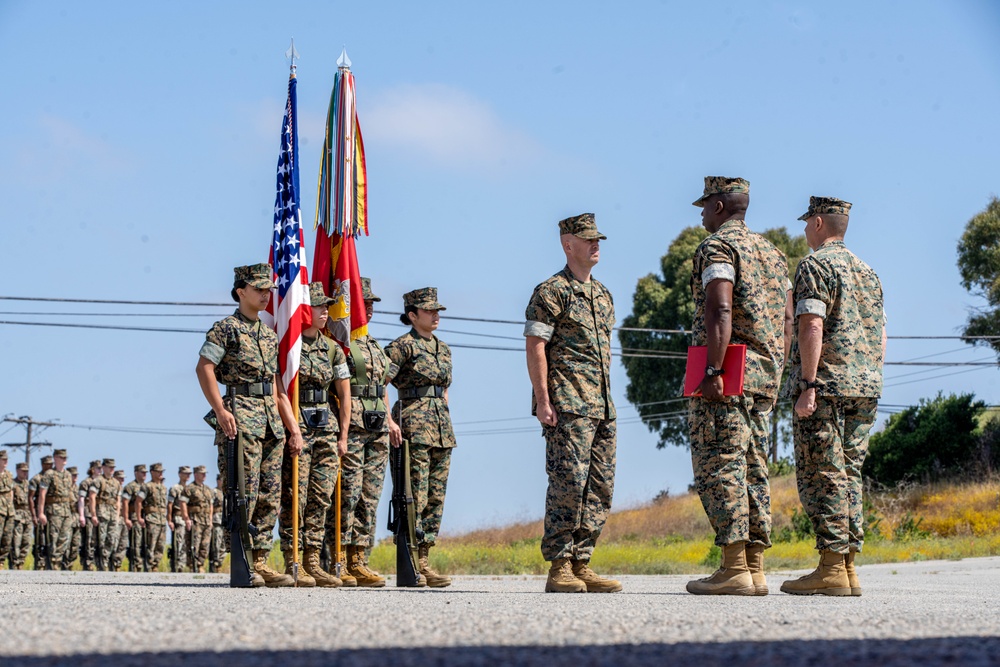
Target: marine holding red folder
740,288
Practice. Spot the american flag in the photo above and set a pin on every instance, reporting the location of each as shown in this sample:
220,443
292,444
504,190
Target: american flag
290,298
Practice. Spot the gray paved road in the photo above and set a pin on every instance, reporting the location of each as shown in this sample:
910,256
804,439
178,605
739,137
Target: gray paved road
934,612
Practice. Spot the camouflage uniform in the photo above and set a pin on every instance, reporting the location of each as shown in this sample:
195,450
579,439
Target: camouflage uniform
7,512
831,444
200,511
77,537
89,530
245,353
423,373
108,492
21,543
729,437
363,467
576,319
177,497
121,538
59,506
33,507
322,362
217,548
154,513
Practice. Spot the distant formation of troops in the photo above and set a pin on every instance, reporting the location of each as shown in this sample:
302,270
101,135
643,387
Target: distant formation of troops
104,522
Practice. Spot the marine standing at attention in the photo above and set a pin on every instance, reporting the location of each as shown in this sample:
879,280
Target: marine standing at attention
56,502
241,352
21,545
178,518
740,288
200,498
835,381
152,513
568,327
324,417
89,529
421,374
7,512
33,506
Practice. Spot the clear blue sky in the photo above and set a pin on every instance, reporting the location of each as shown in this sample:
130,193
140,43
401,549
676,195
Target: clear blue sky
140,143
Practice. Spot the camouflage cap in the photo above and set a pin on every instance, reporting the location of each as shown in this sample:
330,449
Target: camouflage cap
425,298
366,290
119,474
821,205
3,454
200,469
584,226
22,466
184,470
71,470
255,275
721,185
96,463
141,467
156,467
108,462
61,453
317,297
47,459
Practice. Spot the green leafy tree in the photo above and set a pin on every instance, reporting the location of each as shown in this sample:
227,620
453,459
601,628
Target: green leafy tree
979,265
926,442
656,371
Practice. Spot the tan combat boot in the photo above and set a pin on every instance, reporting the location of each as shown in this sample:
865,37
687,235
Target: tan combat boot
829,578
755,563
356,566
434,580
311,566
345,577
304,580
272,578
562,580
852,574
595,583
733,578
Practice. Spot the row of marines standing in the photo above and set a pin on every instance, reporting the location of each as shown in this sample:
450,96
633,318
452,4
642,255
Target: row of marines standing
343,427
102,520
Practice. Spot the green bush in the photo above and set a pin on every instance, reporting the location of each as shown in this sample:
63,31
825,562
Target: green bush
927,442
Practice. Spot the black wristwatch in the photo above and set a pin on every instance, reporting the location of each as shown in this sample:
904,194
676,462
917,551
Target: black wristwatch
807,384
712,371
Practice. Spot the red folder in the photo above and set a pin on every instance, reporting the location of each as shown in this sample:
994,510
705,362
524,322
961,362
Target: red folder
734,364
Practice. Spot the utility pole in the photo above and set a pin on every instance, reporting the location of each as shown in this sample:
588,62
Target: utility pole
28,444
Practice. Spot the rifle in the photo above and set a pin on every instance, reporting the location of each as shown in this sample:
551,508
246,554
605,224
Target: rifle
45,546
213,549
85,543
402,517
130,551
144,549
235,518
172,552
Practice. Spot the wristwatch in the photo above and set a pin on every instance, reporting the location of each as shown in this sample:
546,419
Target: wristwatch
807,384
712,371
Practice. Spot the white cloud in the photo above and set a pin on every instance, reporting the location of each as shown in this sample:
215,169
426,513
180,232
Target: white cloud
447,125
61,148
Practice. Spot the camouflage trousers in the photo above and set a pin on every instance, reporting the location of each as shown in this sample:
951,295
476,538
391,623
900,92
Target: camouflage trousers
429,467
179,545
6,537
107,537
361,479
217,547
75,543
200,538
580,459
318,465
121,545
729,444
88,542
60,526
262,475
156,541
830,448
21,544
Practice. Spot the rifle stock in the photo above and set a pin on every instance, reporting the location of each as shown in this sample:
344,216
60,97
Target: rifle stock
402,517
236,519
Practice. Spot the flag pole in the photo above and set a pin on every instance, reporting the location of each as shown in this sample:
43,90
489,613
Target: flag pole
292,54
